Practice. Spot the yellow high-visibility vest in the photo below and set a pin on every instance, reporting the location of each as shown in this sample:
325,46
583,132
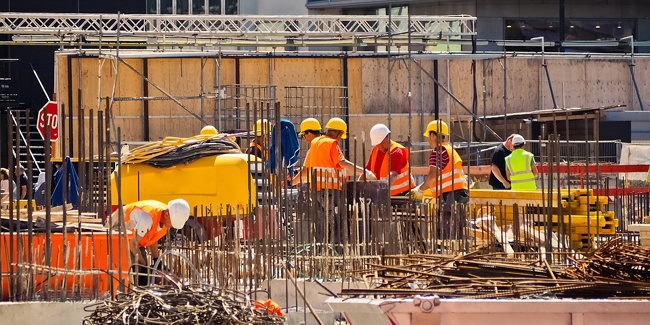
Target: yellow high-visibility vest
521,173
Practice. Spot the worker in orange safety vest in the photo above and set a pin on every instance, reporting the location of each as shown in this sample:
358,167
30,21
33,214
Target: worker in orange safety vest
446,177
149,220
398,177
257,147
327,160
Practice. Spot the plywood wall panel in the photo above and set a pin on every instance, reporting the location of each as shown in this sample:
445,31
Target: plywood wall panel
355,86
523,84
607,82
587,83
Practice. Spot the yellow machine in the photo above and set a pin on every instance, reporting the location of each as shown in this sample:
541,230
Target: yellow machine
215,181
218,184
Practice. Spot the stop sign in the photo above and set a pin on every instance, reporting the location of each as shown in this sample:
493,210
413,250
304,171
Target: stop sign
49,115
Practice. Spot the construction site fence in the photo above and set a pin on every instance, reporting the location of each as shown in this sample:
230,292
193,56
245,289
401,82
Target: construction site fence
580,152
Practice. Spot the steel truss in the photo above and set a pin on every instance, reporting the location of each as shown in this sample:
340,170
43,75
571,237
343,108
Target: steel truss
165,29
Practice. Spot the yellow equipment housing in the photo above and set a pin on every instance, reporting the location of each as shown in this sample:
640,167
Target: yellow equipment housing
217,181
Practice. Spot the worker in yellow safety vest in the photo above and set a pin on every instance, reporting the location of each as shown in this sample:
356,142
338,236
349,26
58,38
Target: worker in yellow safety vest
257,147
399,161
149,220
521,168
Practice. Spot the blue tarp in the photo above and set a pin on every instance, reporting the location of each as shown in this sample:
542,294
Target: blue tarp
73,189
289,146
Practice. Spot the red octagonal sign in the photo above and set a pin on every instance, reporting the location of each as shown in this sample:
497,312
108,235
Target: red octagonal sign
49,115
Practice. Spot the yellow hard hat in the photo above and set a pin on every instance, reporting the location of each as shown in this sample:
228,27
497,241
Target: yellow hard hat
208,130
262,126
309,124
336,123
437,126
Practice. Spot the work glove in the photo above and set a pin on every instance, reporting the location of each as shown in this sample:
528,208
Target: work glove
416,193
370,176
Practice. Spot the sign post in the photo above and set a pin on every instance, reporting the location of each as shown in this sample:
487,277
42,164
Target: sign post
49,115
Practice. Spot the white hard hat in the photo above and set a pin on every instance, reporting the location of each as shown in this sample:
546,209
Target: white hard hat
378,133
518,139
179,212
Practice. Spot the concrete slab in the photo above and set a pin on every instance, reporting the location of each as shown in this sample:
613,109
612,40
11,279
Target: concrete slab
496,311
50,313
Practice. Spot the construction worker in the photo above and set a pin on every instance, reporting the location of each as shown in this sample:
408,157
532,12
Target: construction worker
326,157
209,130
446,177
498,179
521,168
399,161
310,129
257,147
149,220
326,160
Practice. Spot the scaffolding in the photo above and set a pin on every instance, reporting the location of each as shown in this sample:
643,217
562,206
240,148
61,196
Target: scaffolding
241,30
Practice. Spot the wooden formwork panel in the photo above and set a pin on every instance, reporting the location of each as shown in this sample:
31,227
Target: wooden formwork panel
586,82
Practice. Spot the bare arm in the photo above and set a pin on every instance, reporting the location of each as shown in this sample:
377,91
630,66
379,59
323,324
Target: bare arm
534,168
153,248
135,250
431,177
353,169
497,174
301,177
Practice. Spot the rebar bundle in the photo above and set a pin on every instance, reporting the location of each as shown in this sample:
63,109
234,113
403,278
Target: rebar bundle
615,259
617,269
187,305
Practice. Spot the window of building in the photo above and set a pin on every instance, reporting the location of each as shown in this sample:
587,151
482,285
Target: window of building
575,30
193,7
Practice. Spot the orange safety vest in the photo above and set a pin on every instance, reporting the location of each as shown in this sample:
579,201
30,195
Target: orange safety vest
254,144
155,210
401,183
452,173
328,174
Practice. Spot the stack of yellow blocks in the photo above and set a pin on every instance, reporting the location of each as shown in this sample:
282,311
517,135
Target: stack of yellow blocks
583,215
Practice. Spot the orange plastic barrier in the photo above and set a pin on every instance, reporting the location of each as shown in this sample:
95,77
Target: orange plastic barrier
94,257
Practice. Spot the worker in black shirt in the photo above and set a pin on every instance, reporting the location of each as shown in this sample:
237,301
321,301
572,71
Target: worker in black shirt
498,179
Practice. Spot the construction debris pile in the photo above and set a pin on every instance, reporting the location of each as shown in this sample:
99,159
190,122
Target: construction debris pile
181,305
616,269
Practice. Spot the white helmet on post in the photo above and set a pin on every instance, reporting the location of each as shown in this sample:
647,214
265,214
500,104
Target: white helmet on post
179,212
378,133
